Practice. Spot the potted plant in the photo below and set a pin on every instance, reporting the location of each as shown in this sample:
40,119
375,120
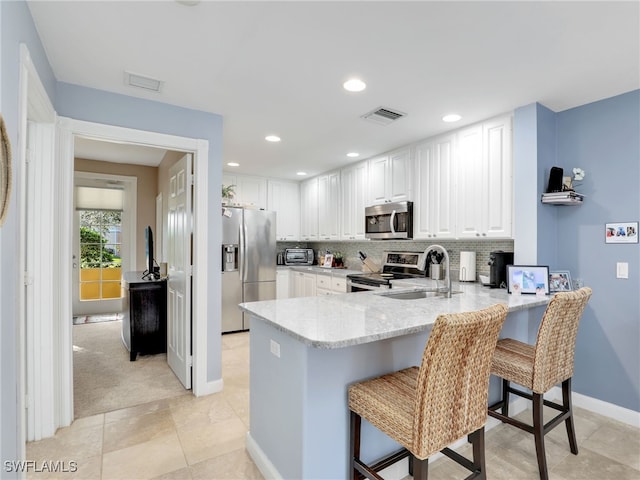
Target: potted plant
338,259
228,193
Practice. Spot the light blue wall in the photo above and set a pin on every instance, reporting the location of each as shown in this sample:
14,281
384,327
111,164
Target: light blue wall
98,106
16,27
603,138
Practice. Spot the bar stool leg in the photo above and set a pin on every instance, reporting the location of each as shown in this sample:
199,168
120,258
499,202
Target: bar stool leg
566,402
420,469
477,441
538,432
354,447
505,397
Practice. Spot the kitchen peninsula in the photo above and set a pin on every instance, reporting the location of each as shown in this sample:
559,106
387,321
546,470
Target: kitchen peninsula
306,351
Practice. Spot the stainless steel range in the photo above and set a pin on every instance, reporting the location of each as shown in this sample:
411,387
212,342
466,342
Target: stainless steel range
396,265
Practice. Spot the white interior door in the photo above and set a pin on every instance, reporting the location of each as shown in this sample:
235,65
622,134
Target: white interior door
179,282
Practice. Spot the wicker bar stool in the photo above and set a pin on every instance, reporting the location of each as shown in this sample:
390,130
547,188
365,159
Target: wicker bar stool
425,409
541,366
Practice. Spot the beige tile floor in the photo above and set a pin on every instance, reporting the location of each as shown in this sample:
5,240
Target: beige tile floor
203,438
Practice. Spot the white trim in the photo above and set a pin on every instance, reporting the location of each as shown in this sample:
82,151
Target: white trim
69,128
37,306
610,410
268,470
209,387
200,291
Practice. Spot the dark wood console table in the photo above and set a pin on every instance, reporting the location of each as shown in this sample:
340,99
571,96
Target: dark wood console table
144,325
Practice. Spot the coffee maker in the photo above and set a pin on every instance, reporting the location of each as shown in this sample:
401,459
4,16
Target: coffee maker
498,261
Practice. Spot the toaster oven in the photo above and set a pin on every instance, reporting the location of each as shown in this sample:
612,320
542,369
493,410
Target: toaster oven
298,256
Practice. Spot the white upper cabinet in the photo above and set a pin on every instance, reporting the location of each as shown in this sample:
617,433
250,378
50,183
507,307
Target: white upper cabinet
434,207
309,209
354,182
390,177
249,190
329,206
485,181
284,199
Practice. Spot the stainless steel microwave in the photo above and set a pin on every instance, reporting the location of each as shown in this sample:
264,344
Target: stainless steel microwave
389,221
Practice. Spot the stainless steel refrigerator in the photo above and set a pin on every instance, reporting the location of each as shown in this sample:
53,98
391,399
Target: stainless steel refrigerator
248,262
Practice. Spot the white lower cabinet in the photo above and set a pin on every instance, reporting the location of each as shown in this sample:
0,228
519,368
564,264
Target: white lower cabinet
304,284
283,283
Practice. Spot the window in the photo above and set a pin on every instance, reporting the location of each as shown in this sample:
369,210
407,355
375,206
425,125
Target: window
100,254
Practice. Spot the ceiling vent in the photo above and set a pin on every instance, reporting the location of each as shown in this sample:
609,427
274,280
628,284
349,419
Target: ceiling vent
383,116
140,81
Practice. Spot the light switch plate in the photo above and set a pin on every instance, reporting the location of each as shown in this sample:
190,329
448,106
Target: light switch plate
622,270
275,348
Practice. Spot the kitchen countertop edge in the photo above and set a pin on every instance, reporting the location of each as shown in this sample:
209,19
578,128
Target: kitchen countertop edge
475,297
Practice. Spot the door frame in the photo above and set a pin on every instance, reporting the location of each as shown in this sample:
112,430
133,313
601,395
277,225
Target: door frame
68,129
129,224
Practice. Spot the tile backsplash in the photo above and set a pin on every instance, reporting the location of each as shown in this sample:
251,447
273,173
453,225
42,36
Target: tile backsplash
375,249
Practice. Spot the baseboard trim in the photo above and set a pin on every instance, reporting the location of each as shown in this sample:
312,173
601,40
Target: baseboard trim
209,388
268,470
610,410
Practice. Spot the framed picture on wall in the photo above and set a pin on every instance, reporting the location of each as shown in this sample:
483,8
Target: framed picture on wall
560,281
621,232
528,279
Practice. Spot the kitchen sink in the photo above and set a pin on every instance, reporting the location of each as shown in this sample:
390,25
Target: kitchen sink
415,294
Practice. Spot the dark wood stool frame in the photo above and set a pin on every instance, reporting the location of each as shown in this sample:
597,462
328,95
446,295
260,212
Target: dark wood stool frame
539,429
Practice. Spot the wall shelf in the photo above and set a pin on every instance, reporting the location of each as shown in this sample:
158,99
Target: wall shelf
563,198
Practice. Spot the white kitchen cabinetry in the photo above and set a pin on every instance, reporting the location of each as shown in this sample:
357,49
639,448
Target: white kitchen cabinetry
304,284
434,207
284,199
249,190
329,206
354,185
283,283
390,177
309,209
484,192
323,285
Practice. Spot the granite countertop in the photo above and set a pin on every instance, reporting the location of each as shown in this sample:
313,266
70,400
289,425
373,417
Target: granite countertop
337,272
337,321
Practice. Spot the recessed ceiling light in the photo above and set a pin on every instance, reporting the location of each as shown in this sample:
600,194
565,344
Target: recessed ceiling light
301,173
233,164
453,117
272,138
353,154
354,85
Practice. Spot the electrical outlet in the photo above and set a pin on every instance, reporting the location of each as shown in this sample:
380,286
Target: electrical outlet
622,270
275,348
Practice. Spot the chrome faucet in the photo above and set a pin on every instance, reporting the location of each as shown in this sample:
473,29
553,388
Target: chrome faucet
446,265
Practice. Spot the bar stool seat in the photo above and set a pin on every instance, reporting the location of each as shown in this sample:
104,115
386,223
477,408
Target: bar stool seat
541,366
426,409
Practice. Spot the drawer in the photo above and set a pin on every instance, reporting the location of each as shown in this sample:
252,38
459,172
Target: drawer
323,281
339,284
323,291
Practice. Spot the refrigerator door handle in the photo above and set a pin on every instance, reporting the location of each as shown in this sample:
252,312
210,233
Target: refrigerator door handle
243,251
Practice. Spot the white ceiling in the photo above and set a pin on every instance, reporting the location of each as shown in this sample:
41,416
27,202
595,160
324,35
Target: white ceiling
278,67
117,152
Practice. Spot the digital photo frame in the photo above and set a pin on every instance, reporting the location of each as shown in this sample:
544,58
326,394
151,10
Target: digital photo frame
528,279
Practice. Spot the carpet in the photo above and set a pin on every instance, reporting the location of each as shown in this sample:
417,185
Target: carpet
106,317
105,380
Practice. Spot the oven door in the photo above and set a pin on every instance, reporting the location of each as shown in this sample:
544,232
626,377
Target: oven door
356,286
